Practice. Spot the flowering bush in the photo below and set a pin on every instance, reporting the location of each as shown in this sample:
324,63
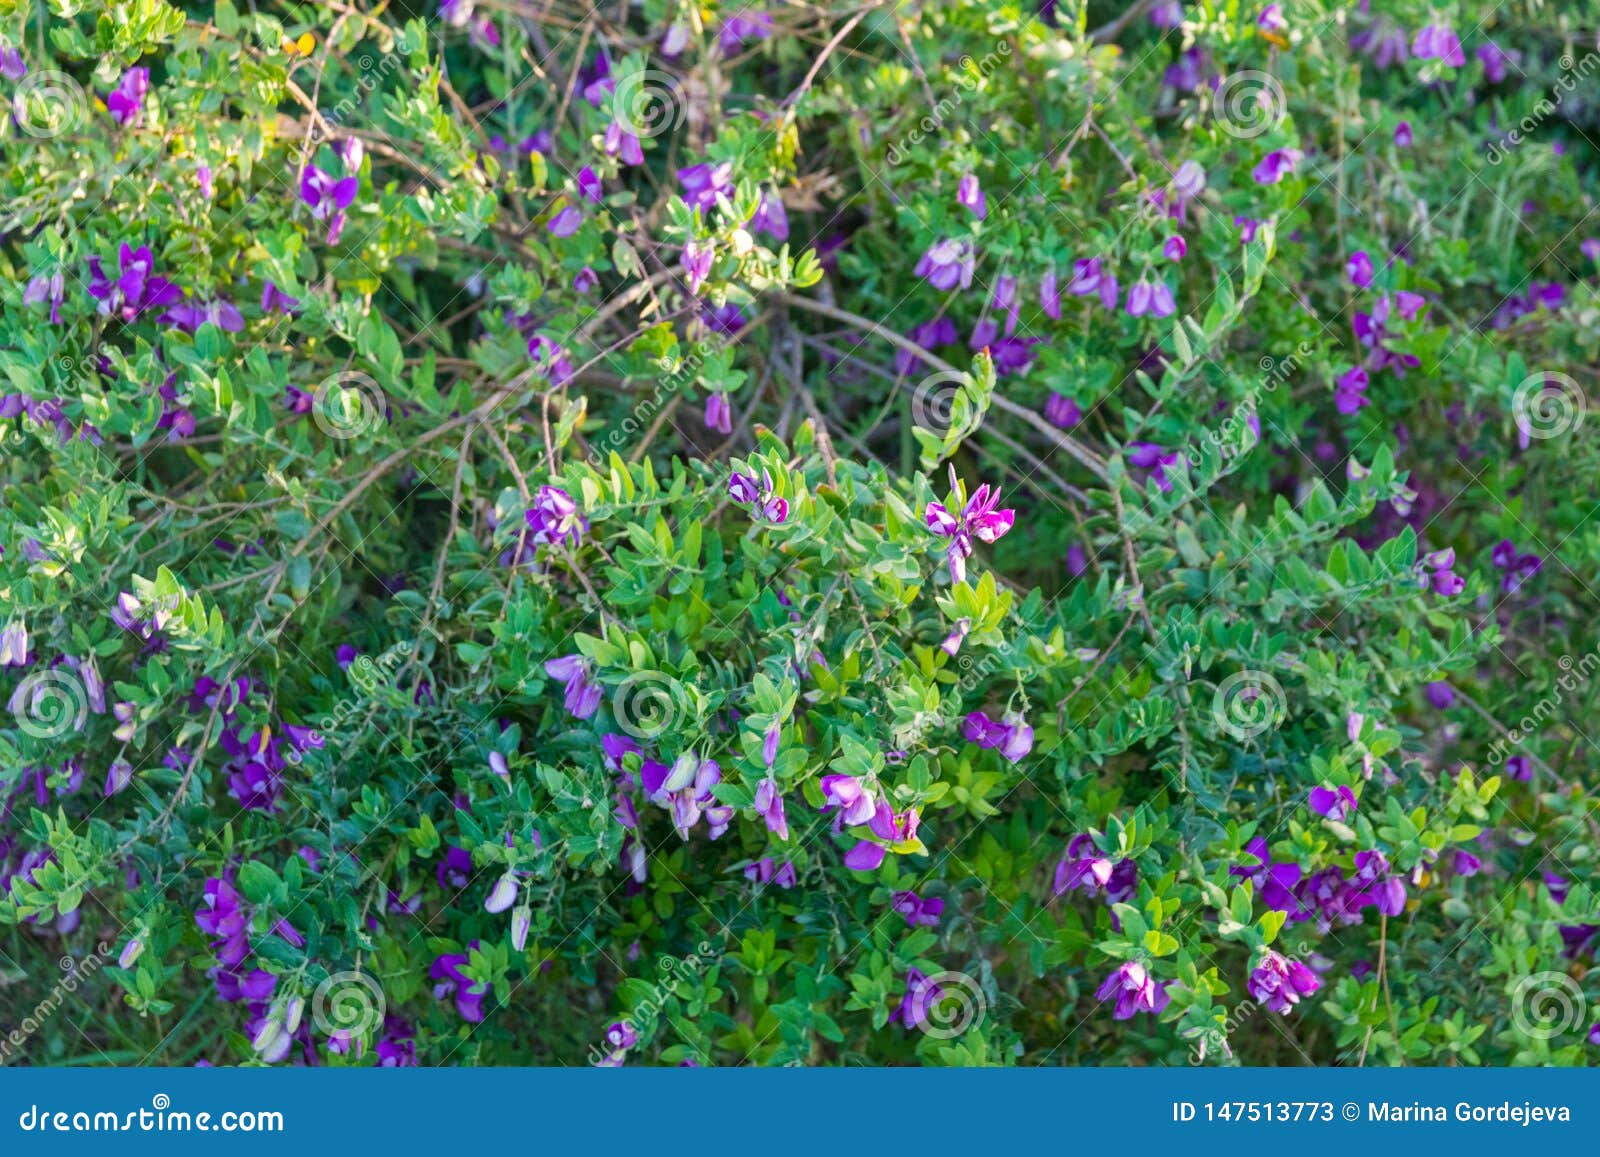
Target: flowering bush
673,534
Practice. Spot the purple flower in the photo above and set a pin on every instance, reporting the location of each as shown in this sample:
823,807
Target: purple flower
1359,269
118,776
582,696
918,911
502,895
854,799
1438,42
622,144
11,64
1277,165
1440,694
1350,391
1062,411
126,100
1154,460
1154,299
589,185
566,221
979,519
221,915
1403,138
969,195
189,316
136,288
549,359
1271,19
554,518
1174,248
771,218
697,259
719,415
329,197
1279,983
1089,278
1519,768
948,264
447,970
769,805
1132,987
274,300
52,289
741,27
866,856
1086,869
1467,864
762,498
704,183
1337,804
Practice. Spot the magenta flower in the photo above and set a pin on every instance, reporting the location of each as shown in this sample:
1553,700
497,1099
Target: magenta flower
554,518
1154,299
1134,991
719,415
1337,804
854,799
622,144
1403,137
1438,42
1174,248
1271,19
329,197
565,221
771,218
948,264
763,500
1279,983
979,519
918,911
742,27
126,101
1086,869
44,288
866,856
704,183
136,289
769,805
969,195
1277,165
582,696
1350,391
589,185
697,259
1359,269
